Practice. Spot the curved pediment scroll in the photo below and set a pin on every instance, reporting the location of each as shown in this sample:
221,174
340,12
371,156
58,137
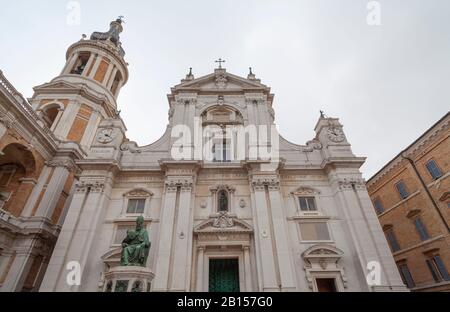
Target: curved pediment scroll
112,257
305,191
322,251
130,146
138,192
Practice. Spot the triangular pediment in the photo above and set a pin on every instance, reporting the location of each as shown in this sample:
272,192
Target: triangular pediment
223,223
221,80
56,85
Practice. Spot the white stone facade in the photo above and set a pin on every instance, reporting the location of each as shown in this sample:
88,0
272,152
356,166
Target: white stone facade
302,216
262,226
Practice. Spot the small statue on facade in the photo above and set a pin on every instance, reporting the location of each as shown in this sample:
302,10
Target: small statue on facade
136,246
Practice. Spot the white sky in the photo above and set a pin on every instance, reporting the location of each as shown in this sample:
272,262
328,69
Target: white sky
386,83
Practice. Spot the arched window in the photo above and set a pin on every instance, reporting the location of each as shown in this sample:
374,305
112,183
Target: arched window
116,82
49,115
80,64
222,201
16,164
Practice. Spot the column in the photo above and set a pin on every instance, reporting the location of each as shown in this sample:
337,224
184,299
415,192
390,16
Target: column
247,269
20,267
31,202
54,188
287,275
165,238
78,234
70,64
95,67
91,129
183,238
263,238
392,276
200,268
108,72
89,63
361,231
111,78
67,119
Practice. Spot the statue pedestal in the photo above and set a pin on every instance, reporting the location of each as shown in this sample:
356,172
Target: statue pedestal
128,279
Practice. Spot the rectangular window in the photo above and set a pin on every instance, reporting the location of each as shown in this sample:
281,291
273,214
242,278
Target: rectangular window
326,285
437,269
421,229
406,276
378,206
222,152
314,231
401,188
433,169
136,205
307,204
390,236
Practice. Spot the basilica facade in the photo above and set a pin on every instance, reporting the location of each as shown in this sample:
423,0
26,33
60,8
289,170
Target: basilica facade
256,214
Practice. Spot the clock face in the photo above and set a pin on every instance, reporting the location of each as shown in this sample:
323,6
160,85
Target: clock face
105,136
336,135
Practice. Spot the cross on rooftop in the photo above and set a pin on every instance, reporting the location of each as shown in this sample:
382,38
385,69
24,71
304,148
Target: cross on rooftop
220,61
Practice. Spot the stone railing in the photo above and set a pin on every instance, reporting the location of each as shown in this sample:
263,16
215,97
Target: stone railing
24,105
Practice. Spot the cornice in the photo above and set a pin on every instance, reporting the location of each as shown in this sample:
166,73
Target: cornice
416,148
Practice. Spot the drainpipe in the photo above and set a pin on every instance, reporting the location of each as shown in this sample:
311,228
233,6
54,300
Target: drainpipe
426,190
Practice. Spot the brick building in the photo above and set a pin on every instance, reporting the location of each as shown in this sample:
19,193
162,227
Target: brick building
412,200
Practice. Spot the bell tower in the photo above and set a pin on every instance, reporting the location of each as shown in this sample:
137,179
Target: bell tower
74,103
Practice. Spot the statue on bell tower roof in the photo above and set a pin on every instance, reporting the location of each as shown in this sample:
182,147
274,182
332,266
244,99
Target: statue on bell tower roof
112,35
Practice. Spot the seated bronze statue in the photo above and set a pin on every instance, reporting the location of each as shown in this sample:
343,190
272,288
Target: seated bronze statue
136,246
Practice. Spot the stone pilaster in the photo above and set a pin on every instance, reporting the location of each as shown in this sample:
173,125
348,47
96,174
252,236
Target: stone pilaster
183,239
200,268
55,187
163,254
78,233
283,251
365,231
265,253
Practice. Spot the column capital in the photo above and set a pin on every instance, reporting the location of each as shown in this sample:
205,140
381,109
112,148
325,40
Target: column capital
94,186
185,184
69,164
348,184
259,183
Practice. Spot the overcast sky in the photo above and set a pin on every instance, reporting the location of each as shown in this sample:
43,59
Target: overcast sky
387,83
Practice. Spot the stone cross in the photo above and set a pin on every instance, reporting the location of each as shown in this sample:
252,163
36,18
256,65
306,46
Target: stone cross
220,61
